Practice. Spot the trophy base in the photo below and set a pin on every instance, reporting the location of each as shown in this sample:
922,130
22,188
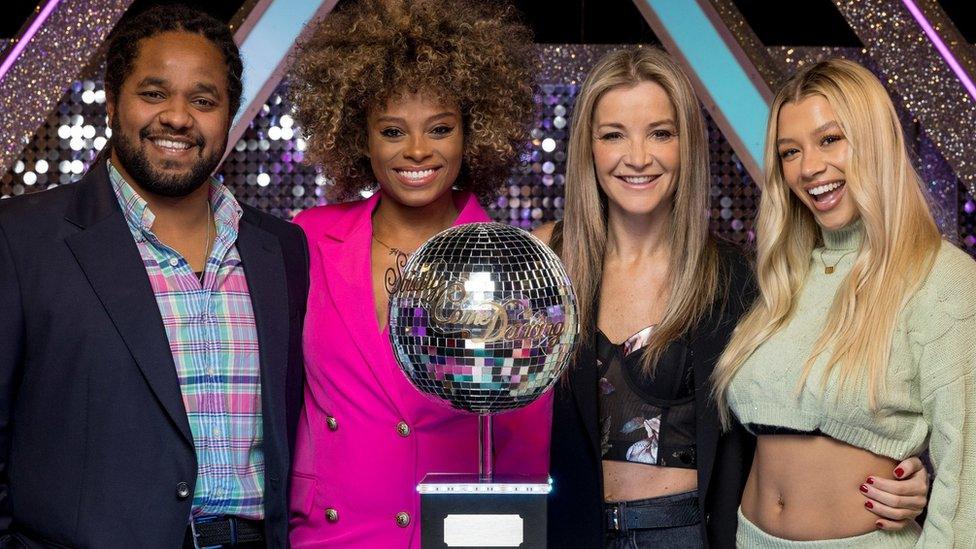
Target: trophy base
464,511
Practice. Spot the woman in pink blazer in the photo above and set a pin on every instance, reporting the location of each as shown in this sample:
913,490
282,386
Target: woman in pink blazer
425,100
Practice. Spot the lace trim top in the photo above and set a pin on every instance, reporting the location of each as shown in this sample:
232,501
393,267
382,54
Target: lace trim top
646,419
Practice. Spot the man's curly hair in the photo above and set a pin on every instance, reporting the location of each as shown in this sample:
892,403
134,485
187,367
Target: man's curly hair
124,42
367,52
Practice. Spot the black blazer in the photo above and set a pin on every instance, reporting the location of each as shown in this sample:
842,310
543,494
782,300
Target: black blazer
576,517
94,438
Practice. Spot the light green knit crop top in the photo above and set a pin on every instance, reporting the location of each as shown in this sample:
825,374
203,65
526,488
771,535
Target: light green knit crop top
930,395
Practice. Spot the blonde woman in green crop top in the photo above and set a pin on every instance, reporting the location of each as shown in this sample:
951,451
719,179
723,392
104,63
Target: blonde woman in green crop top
861,349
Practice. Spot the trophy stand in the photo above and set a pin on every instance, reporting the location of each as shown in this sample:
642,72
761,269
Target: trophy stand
483,319
483,510
486,449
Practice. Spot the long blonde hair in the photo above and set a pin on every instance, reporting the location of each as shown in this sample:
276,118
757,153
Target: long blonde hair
693,267
899,245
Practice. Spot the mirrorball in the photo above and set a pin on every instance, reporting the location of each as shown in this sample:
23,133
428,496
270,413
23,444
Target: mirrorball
483,318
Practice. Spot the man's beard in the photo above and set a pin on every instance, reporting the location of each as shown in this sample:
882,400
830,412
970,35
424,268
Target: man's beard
136,163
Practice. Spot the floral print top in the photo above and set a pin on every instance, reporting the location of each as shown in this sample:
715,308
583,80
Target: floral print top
645,418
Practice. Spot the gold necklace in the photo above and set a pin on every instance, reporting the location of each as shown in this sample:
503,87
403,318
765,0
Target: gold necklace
829,269
393,251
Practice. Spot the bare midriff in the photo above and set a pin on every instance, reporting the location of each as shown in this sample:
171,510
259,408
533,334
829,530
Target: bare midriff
624,481
804,487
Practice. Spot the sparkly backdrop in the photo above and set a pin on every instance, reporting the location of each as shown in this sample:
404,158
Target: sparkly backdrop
917,73
68,40
266,167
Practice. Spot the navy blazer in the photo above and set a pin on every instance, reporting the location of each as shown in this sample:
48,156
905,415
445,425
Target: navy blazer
576,518
94,438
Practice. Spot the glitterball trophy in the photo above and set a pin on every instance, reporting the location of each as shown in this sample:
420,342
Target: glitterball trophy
484,320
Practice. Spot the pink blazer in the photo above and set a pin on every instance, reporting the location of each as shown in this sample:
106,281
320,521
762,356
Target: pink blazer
366,436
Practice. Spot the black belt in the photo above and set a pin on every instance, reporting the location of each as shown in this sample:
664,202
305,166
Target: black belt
623,516
228,531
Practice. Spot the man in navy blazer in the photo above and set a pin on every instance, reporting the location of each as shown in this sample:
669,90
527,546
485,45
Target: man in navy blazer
150,325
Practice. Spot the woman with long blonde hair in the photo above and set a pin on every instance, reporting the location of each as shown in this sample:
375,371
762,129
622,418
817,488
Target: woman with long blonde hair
637,457
859,350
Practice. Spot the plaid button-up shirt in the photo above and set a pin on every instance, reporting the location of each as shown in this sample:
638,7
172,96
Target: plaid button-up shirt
214,341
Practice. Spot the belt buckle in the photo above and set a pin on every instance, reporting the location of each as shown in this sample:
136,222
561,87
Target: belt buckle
614,521
193,531
204,519
613,518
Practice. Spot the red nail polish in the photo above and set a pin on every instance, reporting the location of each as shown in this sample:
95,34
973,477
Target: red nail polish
870,480
878,525
899,472
864,488
869,505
